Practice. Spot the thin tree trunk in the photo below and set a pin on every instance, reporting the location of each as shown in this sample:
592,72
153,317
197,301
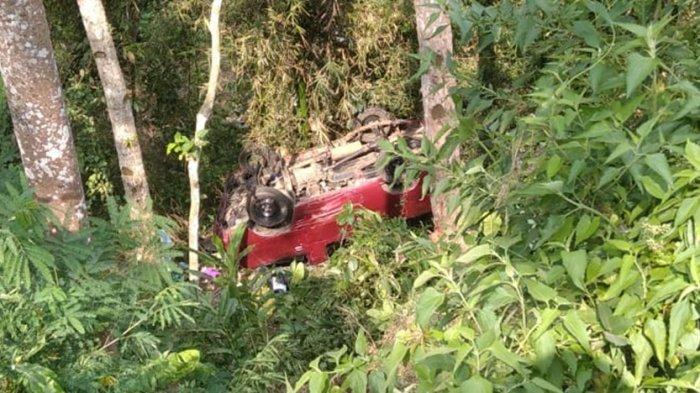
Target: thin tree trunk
438,106
201,122
39,115
118,105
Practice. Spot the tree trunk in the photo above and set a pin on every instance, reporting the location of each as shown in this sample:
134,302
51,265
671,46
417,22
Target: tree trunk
39,115
200,125
438,106
118,105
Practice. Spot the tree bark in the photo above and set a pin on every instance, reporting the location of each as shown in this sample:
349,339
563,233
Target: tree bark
118,100
39,115
438,107
201,122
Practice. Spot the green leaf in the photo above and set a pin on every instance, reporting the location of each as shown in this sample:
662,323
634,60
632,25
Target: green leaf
692,154
546,318
586,228
545,350
600,10
500,352
546,385
643,353
76,324
317,382
356,381
428,302
658,163
423,278
539,291
361,343
476,384
647,127
639,31
377,382
680,316
553,166
653,188
549,188
625,278
686,209
638,69
526,32
38,379
475,253
655,330
575,263
585,30
575,326
391,363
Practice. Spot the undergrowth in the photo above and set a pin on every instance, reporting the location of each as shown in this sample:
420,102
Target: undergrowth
574,266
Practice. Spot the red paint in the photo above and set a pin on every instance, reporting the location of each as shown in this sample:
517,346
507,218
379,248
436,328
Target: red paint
315,225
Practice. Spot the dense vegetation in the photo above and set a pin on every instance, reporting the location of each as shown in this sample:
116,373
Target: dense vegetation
575,267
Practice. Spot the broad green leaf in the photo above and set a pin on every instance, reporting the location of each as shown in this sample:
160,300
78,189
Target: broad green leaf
546,318
356,381
692,154
600,10
658,163
687,208
646,127
75,322
643,352
423,278
377,382
428,302
500,352
475,253
553,187
539,291
670,287
655,330
577,328
586,228
639,31
653,188
547,6
391,363
361,343
476,384
621,149
575,263
638,69
546,385
585,30
545,350
553,166
526,31
317,382
680,315
626,277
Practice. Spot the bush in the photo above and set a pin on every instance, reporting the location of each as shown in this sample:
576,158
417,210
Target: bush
575,264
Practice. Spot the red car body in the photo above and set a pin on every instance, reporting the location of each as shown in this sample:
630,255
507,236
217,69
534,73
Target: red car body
315,228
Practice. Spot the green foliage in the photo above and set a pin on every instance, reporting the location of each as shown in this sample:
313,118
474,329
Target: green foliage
72,301
575,264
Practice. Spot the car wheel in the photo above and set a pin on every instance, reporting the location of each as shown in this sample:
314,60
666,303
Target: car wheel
270,207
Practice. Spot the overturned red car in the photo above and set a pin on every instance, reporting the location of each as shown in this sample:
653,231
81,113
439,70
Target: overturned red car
290,204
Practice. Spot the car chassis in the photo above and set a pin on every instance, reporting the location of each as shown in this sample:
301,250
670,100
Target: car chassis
290,205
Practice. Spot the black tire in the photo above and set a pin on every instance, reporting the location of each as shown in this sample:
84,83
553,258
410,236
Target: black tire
270,208
372,115
388,174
